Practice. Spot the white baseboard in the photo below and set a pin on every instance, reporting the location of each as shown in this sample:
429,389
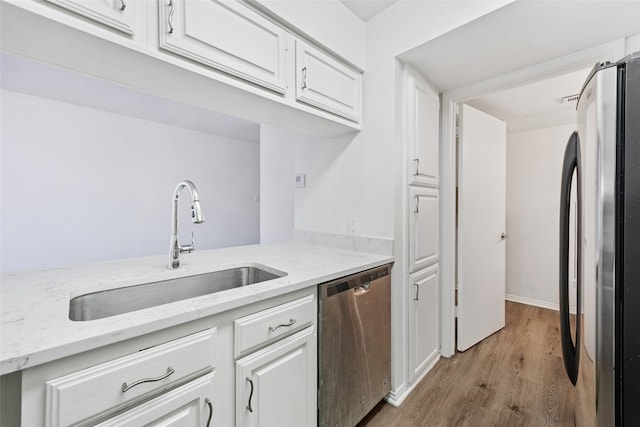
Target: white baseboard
396,398
537,303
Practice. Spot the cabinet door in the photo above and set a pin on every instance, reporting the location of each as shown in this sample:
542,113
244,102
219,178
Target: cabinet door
277,386
424,227
228,36
325,83
191,405
117,14
423,132
424,315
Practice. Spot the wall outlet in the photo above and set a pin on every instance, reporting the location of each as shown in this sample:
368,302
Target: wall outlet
354,223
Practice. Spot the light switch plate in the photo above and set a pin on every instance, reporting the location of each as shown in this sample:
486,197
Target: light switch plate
301,180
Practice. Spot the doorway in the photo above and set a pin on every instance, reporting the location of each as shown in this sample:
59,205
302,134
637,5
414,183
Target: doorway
539,116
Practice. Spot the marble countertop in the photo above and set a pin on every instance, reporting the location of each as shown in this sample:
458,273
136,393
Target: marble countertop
35,325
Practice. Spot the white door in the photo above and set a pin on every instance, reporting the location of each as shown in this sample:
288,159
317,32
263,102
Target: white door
481,225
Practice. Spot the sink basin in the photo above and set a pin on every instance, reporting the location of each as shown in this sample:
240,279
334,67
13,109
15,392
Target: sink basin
98,305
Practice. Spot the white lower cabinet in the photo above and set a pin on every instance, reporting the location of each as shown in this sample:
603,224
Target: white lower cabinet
255,365
276,386
424,315
188,406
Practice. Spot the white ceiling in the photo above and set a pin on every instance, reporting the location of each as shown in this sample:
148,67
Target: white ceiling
535,105
519,35
367,9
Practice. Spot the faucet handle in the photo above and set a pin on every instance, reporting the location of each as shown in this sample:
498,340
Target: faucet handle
189,248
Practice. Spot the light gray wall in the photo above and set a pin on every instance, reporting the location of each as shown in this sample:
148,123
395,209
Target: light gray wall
534,166
357,179
276,184
82,185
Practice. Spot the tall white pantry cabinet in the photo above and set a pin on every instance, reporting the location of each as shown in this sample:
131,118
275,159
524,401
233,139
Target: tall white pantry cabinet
422,160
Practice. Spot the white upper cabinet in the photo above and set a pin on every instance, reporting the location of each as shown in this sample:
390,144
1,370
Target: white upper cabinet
325,83
423,132
228,36
328,23
117,14
424,227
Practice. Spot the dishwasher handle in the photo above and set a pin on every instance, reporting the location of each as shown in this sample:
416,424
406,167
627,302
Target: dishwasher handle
361,281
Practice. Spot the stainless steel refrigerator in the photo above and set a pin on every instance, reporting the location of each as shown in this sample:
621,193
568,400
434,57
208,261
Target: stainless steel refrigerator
601,346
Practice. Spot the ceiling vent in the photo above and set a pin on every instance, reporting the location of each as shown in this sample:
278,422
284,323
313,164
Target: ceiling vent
569,99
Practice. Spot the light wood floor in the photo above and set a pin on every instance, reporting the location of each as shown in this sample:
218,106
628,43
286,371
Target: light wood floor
513,378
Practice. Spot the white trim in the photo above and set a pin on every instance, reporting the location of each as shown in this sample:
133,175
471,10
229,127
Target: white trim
534,302
611,51
396,398
538,303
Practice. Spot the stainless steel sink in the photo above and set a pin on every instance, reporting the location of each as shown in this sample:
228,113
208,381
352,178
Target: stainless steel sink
98,305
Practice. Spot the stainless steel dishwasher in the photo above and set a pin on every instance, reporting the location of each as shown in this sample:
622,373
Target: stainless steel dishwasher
354,344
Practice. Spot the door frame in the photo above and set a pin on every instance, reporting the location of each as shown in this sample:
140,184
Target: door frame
449,168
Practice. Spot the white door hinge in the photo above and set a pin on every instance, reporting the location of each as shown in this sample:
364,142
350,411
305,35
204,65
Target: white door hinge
458,131
456,311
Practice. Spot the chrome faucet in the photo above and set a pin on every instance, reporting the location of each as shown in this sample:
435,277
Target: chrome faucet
196,216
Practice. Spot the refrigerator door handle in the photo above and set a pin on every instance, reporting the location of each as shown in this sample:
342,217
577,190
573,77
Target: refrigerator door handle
570,351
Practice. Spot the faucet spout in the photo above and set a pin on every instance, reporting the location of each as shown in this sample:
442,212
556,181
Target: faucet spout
197,216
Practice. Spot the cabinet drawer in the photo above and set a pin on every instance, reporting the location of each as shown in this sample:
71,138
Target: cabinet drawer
188,405
268,325
110,386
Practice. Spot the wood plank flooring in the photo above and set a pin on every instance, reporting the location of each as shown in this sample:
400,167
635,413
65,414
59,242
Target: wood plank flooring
515,377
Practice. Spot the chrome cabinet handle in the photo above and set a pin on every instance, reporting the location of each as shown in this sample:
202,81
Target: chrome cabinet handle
417,172
124,5
417,297
250,395
171,12
126,386
304,77
417,204
282,325
208,402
